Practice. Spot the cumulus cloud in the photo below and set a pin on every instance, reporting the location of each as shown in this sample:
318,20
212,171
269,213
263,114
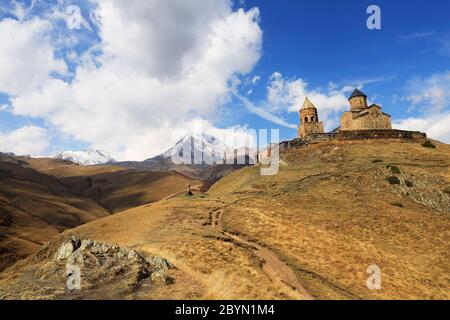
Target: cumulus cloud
431,93
286,95
236,136
431,97
436,126
159,64
27,140
263,113
289,94
26,56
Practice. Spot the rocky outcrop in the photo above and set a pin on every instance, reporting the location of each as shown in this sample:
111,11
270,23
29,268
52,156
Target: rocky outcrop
83,268
425,189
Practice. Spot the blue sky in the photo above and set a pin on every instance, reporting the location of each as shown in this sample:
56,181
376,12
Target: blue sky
322,41
122,78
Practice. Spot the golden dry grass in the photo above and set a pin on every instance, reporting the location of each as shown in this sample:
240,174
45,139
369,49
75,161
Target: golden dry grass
38,208
39,205
118,189
328,215
216,268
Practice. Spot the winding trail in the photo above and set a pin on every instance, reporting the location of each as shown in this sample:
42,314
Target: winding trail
274,268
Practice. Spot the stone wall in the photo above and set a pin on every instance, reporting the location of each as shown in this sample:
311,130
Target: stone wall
357,135
380,134
313,138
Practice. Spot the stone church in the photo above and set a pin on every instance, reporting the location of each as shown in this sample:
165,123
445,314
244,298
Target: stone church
364,117
360,117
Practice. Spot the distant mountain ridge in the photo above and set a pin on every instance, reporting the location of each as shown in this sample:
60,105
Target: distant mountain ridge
207,149
210,158
86,157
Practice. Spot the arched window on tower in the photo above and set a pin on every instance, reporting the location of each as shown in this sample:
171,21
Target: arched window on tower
312,118
306,119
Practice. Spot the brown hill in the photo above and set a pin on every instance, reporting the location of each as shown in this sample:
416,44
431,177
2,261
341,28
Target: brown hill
311,231
118,189
208,173
36,206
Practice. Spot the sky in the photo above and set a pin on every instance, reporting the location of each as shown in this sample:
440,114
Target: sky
130,77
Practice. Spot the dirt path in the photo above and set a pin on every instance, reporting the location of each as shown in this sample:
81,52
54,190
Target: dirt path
275,269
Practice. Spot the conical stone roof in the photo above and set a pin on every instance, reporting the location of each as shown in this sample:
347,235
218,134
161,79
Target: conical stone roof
357,93
308,104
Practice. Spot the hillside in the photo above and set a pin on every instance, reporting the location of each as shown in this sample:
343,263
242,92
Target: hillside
311,231
34,208
39,198
114,187
118,189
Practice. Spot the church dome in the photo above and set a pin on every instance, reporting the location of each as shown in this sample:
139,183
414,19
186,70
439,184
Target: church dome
357,93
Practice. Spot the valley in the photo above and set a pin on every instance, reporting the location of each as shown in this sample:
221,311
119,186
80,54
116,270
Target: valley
40,198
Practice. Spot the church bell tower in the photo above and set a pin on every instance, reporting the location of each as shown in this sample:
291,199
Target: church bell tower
309,120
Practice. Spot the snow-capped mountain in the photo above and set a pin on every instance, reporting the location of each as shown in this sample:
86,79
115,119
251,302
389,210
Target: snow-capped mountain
205,149
86,157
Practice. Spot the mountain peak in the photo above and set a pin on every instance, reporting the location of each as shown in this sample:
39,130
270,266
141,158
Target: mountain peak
206,148
86,157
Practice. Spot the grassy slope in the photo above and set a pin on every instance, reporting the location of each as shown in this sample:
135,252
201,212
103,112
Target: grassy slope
329,214
39,198
35,208
118,189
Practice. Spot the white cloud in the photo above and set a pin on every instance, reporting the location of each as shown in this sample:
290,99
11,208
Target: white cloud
284,94
26,56
431,97
431,94
263,113
237,136
359,83
27,140
436,126
163,63
255,79
287,95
